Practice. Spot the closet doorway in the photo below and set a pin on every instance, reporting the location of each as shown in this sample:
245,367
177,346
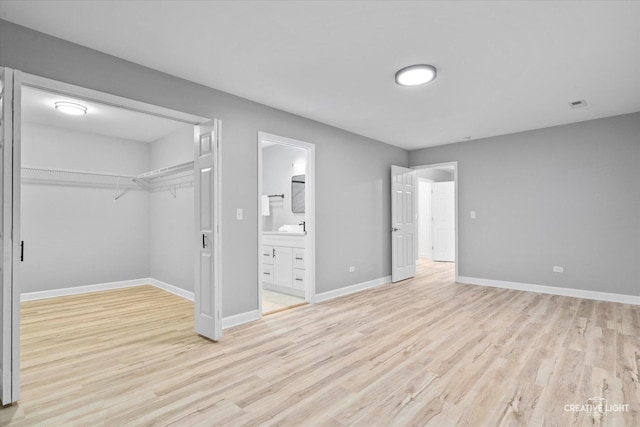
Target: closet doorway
112,193
286,223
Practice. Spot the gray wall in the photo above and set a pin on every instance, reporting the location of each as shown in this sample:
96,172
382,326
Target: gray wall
352,172
277,170
566,196
78,235
171,219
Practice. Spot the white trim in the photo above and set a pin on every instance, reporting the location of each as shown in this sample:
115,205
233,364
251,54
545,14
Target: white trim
227,322
172,289
310,212
77,290
429,227
552,290
31,296
348,290
240,319
455,180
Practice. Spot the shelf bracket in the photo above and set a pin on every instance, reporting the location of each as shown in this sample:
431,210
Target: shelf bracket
116,195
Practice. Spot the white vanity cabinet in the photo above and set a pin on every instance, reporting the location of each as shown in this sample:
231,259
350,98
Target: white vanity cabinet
283,262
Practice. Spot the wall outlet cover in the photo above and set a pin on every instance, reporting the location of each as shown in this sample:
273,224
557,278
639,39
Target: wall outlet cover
557,269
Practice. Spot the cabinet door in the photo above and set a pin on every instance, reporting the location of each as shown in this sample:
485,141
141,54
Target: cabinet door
298,279
267,254
298,258
283,266
267,274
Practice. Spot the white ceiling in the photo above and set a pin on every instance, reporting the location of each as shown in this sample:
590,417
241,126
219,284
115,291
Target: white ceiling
502,66
39,107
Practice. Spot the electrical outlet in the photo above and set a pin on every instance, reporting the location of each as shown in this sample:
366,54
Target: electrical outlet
557,269
473,214
352,269
239,214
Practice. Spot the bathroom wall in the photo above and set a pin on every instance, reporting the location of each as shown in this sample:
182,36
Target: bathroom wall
277,169
78,235
171,219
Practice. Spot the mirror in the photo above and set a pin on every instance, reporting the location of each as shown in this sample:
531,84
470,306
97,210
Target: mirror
297,194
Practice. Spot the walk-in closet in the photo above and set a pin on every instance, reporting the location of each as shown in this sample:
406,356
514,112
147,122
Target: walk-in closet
107,198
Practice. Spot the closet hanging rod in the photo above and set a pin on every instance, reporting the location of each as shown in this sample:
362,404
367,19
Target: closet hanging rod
169,170
77,172
276,195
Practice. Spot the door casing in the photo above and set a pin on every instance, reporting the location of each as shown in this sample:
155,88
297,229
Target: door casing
310,209
456,202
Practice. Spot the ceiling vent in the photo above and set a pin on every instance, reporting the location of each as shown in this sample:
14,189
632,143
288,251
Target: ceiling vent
578,104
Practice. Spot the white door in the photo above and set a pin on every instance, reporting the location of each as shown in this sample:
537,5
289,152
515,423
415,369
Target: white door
10,236
444,221
403,223
208,320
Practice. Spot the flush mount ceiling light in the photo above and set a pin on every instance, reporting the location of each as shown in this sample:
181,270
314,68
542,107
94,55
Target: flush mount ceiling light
71,108
416,75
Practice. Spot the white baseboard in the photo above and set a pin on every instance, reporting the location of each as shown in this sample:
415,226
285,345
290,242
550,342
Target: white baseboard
567,292
31,296
77,290
227,322
347,290
172,289
239,319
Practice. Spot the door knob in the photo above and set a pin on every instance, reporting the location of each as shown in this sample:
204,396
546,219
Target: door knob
394,229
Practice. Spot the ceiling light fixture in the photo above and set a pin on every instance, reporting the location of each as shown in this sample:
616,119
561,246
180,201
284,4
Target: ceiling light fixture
416,75
71,108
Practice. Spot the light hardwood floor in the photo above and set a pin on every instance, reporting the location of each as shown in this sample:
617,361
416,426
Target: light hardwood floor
421,352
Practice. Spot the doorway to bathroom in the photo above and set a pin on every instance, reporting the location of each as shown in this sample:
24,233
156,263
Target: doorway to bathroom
286,223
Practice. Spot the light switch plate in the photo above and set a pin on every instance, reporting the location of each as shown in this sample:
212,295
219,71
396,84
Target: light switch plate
473,215
239,214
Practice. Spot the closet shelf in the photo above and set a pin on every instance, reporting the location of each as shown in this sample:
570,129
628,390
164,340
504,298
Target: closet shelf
163,172
154,180
52,171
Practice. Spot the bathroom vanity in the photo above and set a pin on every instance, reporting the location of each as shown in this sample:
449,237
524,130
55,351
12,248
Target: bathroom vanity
283,259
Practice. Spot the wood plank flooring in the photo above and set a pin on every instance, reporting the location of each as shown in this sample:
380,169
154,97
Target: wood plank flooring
424,351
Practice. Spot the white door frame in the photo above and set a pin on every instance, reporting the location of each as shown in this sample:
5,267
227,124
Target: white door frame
310,213
429,227
12,243
455,198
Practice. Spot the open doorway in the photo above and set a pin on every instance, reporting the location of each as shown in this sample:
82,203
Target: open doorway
437,212
285,223
110,193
